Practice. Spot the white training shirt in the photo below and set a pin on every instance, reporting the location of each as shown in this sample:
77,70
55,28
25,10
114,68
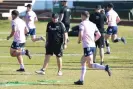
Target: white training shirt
19,35
88,29
33,17
113,16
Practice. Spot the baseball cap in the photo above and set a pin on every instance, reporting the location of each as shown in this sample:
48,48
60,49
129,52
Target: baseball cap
98,7
55,15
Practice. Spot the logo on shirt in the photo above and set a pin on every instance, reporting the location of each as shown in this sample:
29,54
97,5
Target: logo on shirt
97,17
57,27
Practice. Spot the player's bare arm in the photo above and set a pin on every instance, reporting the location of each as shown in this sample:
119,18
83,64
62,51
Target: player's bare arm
118,19
80,37
61,17
97,35
26,30
65,40
12,33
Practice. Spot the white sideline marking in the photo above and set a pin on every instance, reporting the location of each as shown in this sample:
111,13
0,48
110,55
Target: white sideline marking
44,55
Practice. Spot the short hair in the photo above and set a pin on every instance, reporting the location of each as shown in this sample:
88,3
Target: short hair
29,5
86,14
63,0
15,12
110,5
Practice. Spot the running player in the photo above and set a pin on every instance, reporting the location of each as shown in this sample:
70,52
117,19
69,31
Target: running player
112,19
86,35
65,15
30,19
19,30
56,38
99,18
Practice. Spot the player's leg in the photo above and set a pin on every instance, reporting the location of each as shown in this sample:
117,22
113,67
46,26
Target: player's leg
58,51
45,65
83,72
101,48
107,36
20,61
101,52
14,52
67,25
46,61
89,59
49,53
59,63
33,36
95,53
115,38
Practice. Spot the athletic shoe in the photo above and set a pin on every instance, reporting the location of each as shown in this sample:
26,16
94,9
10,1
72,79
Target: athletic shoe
43,39
123,40
40,72
27,53
107,69
78,82
107,53
101,62
60,73
20,70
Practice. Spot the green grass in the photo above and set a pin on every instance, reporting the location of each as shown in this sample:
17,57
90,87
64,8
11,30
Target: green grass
120,60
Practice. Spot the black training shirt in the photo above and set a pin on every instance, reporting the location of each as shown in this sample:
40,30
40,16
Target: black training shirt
55,33
98,19
67,13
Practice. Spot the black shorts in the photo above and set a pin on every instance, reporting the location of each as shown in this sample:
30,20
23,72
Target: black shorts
56,49
67,25
16,45
100,42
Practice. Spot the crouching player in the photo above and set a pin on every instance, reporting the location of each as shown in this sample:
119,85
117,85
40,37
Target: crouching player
19,30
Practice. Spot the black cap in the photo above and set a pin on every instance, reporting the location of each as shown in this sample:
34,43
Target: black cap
55,15
29,5
15,12
110,5
85,13
98,7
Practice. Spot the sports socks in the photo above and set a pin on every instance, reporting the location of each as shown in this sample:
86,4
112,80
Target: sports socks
117,40
23,52
107,46
21,66
98,66
83,72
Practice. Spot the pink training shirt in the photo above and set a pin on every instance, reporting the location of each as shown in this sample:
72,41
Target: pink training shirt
88,29
112,15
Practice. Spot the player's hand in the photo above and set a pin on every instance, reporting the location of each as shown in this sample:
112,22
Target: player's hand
8,37
65,46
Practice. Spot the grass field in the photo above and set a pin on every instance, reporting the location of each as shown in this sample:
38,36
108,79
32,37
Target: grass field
120,60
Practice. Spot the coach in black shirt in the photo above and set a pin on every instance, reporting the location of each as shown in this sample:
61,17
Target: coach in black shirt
65,15
99,18
56,40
